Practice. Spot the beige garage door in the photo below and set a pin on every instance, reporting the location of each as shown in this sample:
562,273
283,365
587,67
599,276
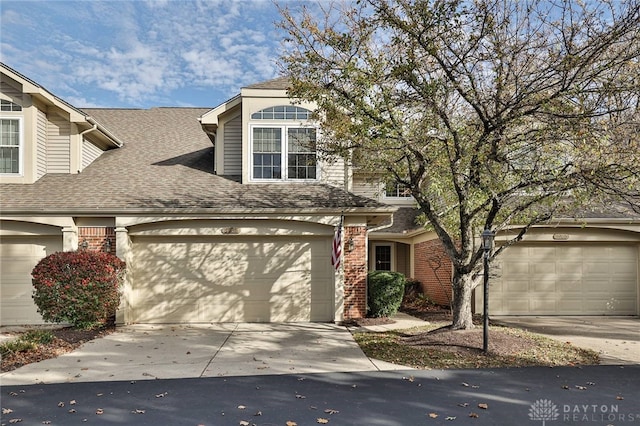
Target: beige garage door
218,279
18,256
564,279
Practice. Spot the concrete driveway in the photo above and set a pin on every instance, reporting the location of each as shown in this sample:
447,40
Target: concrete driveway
143,352
617,339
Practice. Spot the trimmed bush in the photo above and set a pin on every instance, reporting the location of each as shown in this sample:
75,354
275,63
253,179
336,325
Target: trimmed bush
385,291
78,287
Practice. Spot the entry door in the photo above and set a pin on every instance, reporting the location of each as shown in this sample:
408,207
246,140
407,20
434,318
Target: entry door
383,257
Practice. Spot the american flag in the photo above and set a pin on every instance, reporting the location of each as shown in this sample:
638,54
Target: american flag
336,250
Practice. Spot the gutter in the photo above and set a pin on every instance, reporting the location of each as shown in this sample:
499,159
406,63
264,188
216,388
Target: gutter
104,131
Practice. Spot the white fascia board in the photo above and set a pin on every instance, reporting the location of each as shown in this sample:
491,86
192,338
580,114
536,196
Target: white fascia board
211,117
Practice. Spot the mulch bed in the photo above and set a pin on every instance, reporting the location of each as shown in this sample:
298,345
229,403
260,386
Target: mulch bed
66,340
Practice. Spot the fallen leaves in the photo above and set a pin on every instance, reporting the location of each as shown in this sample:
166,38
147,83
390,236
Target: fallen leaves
322,421
7,410
483,406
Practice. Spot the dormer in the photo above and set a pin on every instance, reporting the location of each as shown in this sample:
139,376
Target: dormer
264,136
40,133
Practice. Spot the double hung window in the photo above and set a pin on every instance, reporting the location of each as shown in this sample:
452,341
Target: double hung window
284,148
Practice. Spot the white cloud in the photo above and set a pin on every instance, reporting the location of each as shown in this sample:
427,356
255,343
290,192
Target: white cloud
136,53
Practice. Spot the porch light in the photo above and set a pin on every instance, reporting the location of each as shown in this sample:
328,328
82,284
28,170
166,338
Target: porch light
107,245
84,244
487,244
351,245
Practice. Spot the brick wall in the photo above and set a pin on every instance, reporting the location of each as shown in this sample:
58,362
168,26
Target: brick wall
97,237
355,273
434,270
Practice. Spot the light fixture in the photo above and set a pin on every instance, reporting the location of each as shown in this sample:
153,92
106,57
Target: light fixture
487,245
487,240
107,245
351,245
84,244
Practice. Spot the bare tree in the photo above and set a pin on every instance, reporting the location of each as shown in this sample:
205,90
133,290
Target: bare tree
493,113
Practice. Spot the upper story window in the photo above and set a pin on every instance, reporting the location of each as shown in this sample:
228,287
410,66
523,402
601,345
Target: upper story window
6,105
10,145
395,190
284,151
282,112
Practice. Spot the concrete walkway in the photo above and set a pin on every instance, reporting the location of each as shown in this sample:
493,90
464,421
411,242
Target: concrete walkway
617,339
143,352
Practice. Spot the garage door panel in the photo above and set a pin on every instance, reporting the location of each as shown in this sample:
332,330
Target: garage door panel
233,279
18,256
566,279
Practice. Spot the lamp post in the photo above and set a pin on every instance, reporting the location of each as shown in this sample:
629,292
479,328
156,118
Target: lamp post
487,244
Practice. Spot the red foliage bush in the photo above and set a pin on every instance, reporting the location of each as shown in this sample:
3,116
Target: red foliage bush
78,287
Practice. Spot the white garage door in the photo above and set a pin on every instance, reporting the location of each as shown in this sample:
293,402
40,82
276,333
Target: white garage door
18,256
564,279
218,279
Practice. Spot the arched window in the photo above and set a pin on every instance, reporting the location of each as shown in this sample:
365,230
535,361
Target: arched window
6,105
282,112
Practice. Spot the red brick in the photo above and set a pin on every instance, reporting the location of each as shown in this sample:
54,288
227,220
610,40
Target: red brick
97,237
434,270
355,273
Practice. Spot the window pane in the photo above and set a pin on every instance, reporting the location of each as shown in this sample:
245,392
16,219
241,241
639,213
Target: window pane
301,143
288,112
9,146
9,160
383,258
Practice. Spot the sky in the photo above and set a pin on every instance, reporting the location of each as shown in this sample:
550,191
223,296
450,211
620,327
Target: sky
142,53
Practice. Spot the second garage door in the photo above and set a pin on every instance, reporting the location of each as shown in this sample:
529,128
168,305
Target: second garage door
218,279
18,256
563,279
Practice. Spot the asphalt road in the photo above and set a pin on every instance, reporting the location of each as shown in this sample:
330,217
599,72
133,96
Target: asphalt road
593,395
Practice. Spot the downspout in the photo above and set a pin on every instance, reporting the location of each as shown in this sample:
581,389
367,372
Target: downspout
84,132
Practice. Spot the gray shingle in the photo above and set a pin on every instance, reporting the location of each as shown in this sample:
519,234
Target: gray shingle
280,83
166,163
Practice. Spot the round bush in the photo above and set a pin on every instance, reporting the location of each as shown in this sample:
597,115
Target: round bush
78,287
385,291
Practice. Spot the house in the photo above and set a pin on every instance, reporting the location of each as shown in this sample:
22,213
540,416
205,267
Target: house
228,214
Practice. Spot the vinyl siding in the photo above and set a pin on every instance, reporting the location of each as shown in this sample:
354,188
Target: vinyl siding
89,153
41,144
58,145
10,91
366,188
332,172
233,146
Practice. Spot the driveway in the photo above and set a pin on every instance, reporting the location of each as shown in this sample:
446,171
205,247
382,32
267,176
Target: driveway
143,352
617,339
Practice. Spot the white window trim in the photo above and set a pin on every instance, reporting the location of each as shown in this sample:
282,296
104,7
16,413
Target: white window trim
284,153
392,254
20,120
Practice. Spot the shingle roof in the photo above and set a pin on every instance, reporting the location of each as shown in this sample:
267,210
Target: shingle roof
280,83
165,164
404,220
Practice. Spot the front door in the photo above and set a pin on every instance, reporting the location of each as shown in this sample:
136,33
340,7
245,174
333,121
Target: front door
383,257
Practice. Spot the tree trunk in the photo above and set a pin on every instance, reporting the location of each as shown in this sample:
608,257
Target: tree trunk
462,291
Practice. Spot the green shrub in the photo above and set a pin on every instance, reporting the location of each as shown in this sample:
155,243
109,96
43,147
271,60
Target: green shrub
385,291
80,288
